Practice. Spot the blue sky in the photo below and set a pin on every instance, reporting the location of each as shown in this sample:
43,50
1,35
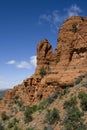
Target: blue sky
23,23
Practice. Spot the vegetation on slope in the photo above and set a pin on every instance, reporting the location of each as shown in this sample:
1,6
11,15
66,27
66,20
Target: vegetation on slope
64,110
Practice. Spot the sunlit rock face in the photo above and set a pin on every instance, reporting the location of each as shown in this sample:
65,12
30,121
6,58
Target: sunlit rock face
65,64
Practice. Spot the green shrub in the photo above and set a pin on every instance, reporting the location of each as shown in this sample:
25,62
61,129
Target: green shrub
57,60
13,123
66,90
4,116
45,128
10,124
48,128
52,116
28,110
76,126
61,94
15,120
81,126
34,108
31,109
1,127
30,128
28,118
41,105
74,119
83,97
27,114
16,128
74,28
74,116
48,70
48,101
78,80
42,72
52,98
17,97
20,103
70,103
84,83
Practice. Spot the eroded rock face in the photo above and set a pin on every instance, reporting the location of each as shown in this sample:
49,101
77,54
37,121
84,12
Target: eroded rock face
44,55
71,50
70,56
72,46
68,62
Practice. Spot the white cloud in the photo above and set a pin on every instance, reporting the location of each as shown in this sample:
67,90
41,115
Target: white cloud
53,19
56,17
24,64
46,17
8,83
33,60
11,62
5,84
74,10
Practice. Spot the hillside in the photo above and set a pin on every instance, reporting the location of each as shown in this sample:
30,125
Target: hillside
2,93
55,96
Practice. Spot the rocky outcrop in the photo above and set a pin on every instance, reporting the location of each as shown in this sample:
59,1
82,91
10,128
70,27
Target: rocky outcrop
72,44
70,55
68,62
44,55
71,50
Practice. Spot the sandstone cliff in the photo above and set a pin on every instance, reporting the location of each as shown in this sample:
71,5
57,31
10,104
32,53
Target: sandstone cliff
68,62
69,59
56,71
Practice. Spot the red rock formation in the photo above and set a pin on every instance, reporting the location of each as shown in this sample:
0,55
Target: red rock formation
44,55
70,55
71,43
68,61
